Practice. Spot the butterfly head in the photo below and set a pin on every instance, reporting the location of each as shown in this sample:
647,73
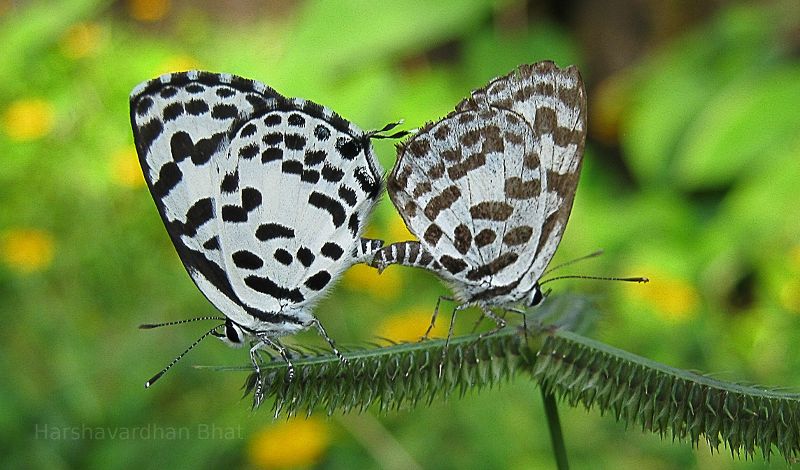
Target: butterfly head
535,296
231,334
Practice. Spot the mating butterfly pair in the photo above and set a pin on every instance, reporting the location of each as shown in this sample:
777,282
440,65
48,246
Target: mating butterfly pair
265,197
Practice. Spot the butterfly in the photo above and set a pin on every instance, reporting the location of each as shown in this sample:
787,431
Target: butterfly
488,189
264,198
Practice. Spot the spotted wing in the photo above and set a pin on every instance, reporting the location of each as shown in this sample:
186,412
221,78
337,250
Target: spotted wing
296,185
553,102
487,190
179,121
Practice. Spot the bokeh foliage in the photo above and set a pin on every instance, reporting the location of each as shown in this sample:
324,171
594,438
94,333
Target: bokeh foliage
690,178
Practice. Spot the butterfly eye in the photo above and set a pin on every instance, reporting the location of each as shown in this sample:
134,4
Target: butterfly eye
537,296
233,335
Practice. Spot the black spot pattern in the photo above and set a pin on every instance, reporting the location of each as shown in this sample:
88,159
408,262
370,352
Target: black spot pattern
305,256
296,120
282,256
292,167
332,250
173,111
318,281
168,177
146,103
181,146
247,260
368,184
271,154
273,138
272,120
272,230
348,195
195,88
201,212
248,130
268,286
150,132
212,243
310,176
332,174
224,111
348,148
354,224
196,107
332,206
251,199
315,157
322,133
248,151
294,141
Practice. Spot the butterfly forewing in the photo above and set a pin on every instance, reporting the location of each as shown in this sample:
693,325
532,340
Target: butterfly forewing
295,186
179,121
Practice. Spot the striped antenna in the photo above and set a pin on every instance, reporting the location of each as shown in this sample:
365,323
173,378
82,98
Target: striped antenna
174,361
148,326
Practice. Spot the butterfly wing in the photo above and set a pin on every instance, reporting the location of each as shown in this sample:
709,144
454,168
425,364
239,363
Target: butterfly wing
553,102
488,189
179,121
296,185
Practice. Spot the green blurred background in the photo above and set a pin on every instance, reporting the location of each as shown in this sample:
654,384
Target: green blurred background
691,178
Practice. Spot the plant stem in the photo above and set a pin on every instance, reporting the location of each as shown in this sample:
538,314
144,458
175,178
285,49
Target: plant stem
554,425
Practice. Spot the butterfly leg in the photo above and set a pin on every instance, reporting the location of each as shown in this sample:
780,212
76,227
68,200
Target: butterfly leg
450,333
264,340
324,334
435,314
500,323
524,319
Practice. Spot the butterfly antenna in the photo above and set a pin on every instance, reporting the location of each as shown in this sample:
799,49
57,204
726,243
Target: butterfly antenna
379,134
180,356
148,326
590,255
597,278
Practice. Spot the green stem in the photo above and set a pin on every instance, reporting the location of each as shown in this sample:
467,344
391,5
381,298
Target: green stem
554,425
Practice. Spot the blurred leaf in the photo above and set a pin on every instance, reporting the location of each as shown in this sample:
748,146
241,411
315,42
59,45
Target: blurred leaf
491,53
35,27
748,122
682,80
332,35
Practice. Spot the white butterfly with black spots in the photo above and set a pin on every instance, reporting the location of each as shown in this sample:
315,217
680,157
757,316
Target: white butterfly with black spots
264,197
488,189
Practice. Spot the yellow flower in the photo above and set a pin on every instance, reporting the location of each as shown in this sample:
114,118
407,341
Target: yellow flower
387,285
295,443
81,40
28,119
26,250
672,297
148,10
125,170
794,257
411,325
789,295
